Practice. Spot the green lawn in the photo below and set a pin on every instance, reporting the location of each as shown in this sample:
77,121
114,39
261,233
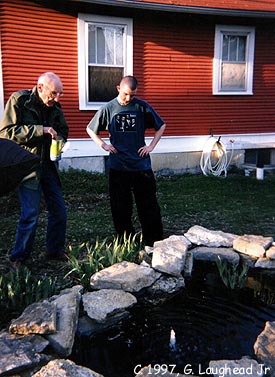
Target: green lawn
236,204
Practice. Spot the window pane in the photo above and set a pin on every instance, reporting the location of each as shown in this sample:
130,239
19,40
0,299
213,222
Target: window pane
242,49
105,50
232,72
103,82
233,76
119,46
105,45
225,48
91,44
109,38
233,48
229,52
100,46
233,44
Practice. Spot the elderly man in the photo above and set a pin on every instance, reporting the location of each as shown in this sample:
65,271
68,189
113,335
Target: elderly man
32,118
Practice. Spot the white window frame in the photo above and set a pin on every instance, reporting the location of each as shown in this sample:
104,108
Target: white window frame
83,20
247,31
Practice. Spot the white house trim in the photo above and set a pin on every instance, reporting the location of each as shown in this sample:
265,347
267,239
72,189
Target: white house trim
177,144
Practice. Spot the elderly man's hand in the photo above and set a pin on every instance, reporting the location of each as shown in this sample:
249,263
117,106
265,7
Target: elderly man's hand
51,131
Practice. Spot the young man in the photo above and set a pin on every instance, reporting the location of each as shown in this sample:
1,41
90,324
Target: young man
126,118
32,118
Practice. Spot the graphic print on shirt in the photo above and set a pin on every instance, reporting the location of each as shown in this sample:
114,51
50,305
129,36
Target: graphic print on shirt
126,122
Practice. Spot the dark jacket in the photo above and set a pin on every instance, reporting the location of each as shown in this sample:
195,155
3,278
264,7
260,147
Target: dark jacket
24,118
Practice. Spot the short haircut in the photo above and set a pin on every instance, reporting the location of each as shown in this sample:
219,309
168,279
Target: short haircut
130,81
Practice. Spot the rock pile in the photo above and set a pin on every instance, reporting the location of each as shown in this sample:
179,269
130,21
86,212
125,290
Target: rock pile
39,341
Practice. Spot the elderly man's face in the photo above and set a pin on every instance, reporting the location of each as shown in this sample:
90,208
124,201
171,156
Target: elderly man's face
50,93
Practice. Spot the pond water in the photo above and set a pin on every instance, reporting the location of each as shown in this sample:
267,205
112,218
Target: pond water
204,322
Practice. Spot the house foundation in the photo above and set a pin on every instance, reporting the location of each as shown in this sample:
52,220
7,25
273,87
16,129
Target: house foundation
178,155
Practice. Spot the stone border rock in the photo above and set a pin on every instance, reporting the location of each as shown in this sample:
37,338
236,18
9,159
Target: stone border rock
23,345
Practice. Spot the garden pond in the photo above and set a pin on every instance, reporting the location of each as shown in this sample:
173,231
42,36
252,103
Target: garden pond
204,321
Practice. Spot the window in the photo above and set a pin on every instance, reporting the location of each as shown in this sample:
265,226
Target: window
260,157
233,60
105,54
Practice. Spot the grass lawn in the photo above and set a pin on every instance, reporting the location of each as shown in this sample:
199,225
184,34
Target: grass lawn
236,204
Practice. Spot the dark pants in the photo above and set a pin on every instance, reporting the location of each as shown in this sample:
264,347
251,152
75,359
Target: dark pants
30,210
123,185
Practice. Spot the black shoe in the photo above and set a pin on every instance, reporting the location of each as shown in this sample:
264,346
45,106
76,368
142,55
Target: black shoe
16,265
58,257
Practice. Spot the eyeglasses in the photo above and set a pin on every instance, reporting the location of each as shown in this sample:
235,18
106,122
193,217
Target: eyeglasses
53,93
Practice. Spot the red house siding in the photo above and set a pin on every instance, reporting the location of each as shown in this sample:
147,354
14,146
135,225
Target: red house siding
173,56
177,63
34,40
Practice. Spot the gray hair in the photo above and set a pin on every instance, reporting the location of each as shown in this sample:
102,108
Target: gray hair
48,77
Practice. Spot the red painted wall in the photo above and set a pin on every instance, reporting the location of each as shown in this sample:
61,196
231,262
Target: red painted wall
172,60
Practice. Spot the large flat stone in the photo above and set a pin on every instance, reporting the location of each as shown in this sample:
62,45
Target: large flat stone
37,318
270,253
65,368
264,347
127,276
168,260
212,253
18,353
244,367
199,235
103,304
170,254
67,305
265,263
252,245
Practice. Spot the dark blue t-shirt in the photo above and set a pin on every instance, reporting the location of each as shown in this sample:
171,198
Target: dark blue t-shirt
126,126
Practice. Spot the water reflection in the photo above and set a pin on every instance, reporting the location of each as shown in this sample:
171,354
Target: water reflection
263,285
172,342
